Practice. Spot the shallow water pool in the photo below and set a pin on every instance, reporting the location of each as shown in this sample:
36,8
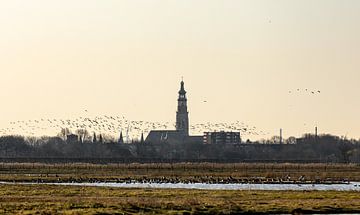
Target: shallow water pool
352,186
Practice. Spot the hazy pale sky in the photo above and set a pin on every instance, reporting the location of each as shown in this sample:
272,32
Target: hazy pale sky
127,57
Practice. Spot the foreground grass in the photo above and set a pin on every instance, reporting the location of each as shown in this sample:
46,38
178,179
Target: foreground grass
51,199
183,171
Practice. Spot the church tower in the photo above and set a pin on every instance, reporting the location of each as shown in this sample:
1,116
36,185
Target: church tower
182,114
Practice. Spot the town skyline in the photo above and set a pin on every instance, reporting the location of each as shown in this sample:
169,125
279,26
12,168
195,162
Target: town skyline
113,126
246,59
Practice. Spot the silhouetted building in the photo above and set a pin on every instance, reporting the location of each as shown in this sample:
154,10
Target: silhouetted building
181,134
182,114
222,137
165,136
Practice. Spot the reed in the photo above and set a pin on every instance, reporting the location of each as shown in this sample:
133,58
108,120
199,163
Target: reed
183,171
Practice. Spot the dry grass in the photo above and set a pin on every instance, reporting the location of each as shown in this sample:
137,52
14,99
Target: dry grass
47,199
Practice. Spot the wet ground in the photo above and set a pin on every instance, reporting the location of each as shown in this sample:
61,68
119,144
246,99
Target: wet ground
351,186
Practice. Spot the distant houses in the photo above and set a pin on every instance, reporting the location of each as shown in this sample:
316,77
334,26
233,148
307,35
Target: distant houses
222,137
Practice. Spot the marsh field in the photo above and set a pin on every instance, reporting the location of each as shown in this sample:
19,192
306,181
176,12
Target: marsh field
178,172
52,199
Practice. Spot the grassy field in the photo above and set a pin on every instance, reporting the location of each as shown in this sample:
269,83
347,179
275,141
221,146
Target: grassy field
51,199
195,172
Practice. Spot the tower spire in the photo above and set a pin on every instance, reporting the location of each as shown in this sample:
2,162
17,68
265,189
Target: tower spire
182,114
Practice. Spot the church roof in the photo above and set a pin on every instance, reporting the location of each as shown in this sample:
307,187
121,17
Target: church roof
171,136
165,136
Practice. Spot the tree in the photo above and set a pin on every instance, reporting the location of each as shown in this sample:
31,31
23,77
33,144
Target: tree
121,139
291,140
345,151
142,138
63,133
94,138
101,138
275,140
83,134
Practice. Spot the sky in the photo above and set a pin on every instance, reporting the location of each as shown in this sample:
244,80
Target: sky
246,58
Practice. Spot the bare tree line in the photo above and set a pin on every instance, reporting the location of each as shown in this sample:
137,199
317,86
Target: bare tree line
324,148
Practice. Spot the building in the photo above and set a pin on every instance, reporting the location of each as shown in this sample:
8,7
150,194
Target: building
165,136
181,134
222,137
182,114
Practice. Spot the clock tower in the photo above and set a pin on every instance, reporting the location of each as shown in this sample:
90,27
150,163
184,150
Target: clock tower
182,114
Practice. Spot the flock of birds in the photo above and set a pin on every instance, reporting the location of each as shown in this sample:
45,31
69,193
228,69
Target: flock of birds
305,90
113,125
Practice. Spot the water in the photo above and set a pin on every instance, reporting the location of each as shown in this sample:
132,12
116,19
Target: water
353,186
